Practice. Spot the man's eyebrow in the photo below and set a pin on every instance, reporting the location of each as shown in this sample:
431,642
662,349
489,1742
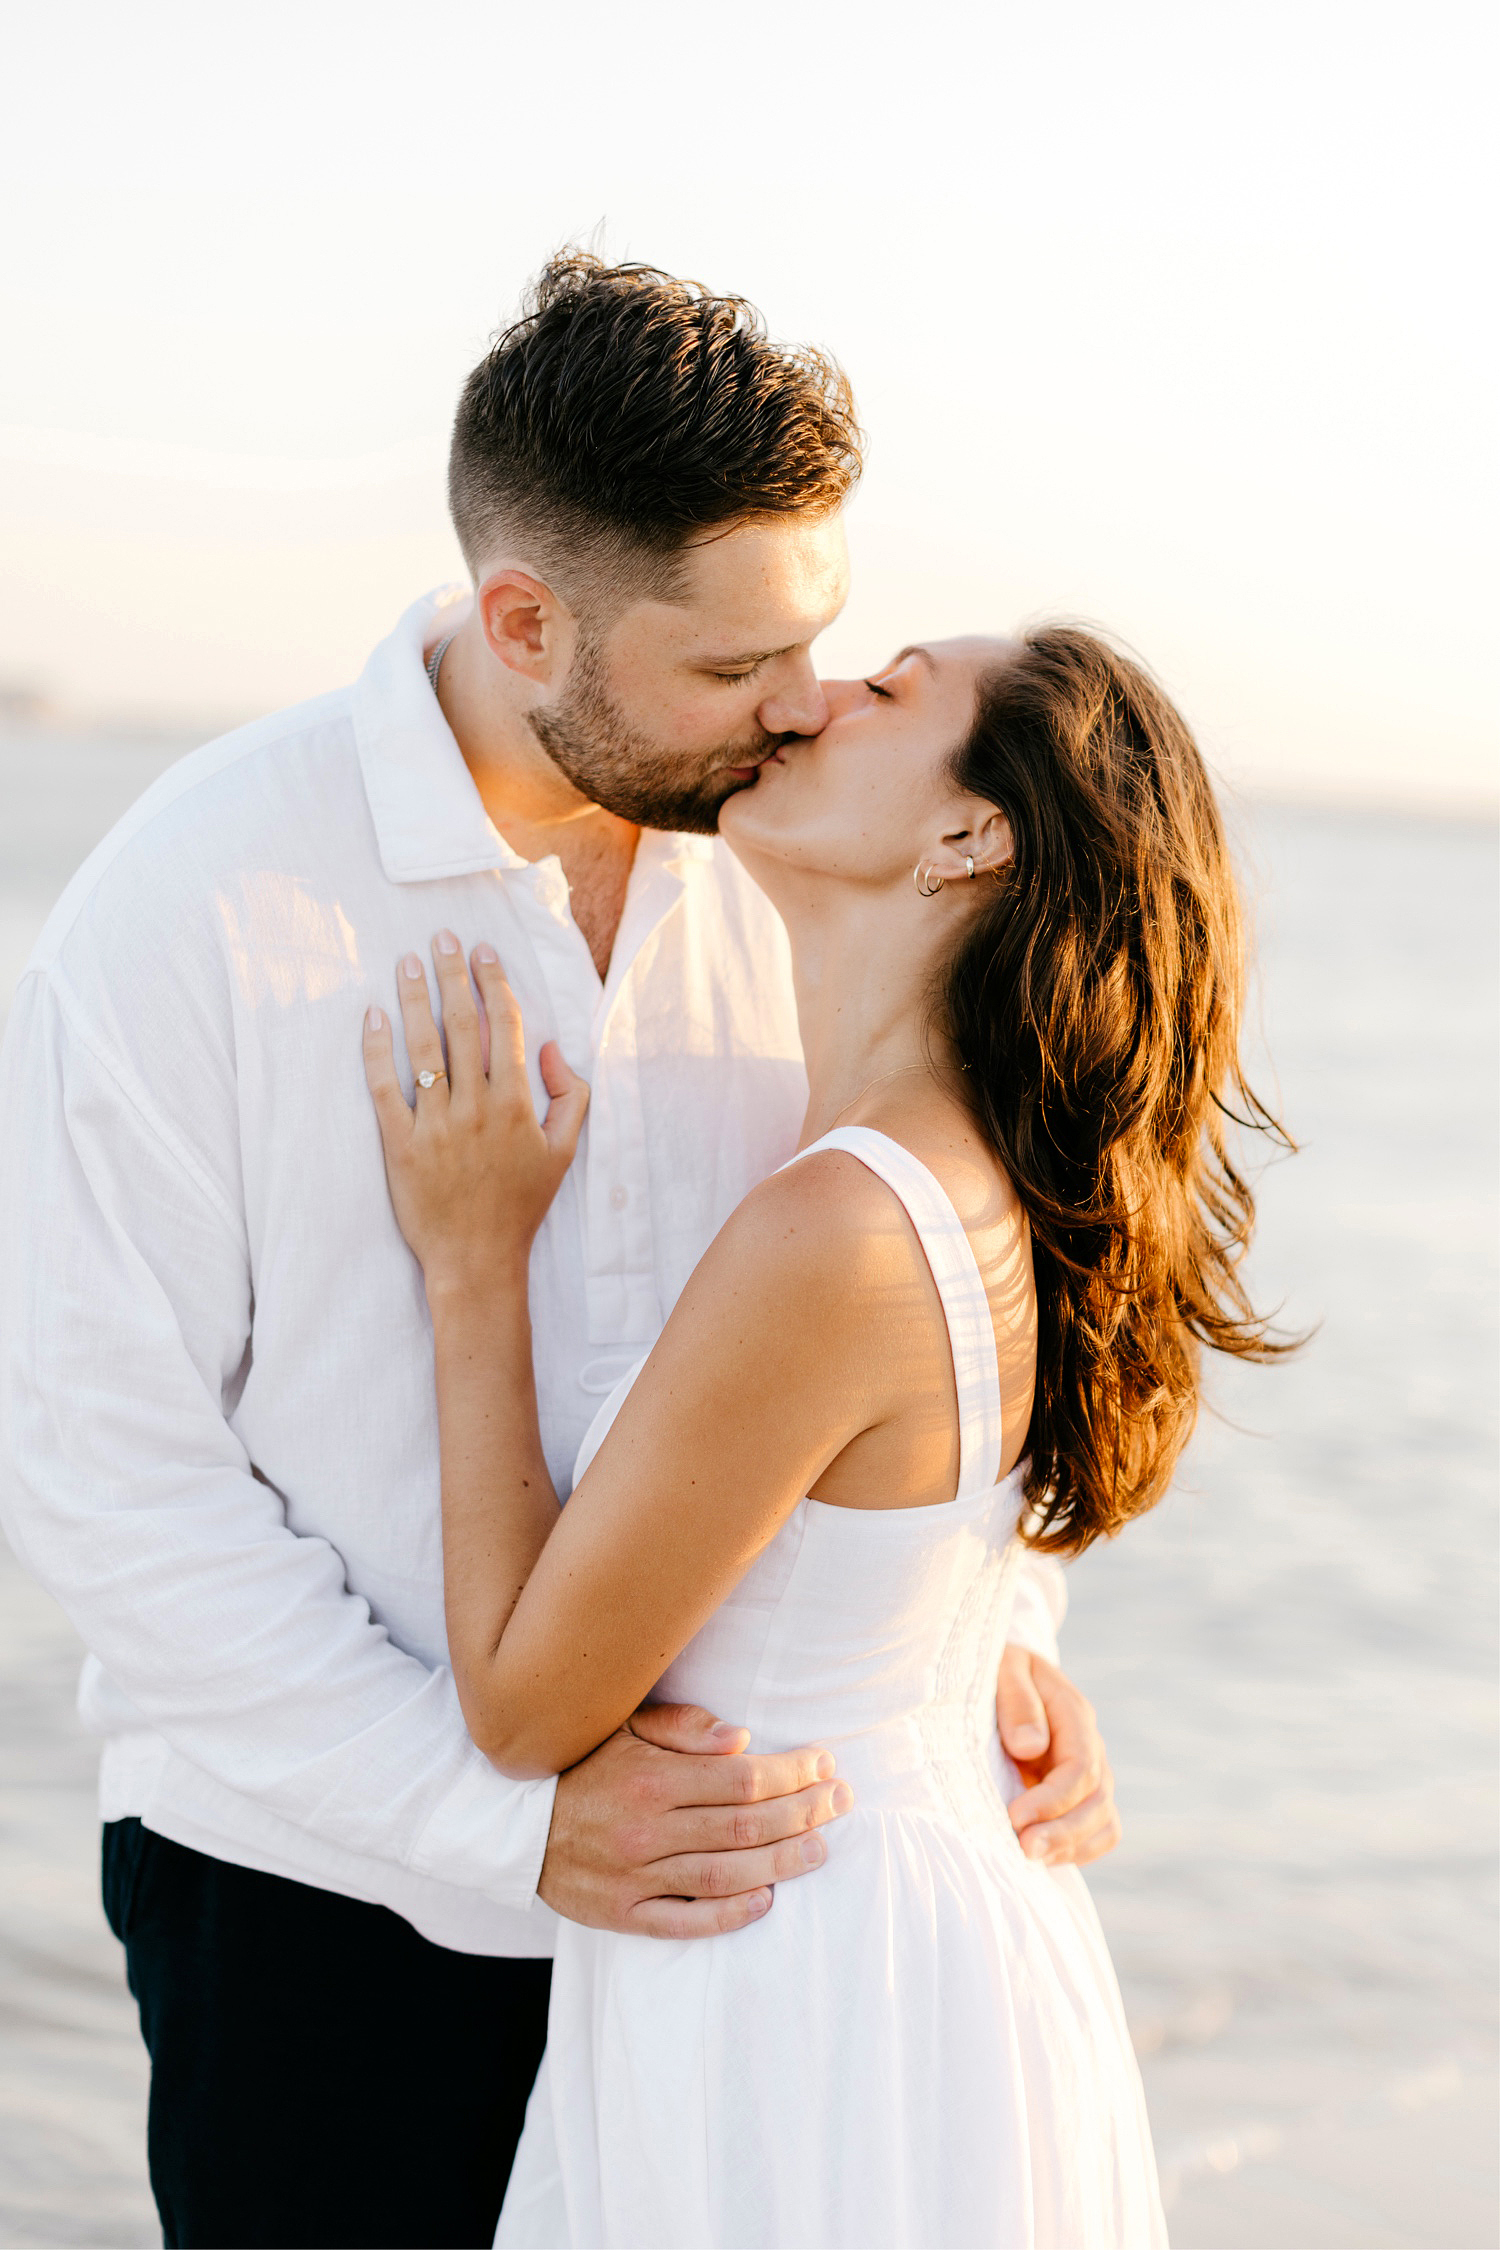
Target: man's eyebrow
756,656
915,650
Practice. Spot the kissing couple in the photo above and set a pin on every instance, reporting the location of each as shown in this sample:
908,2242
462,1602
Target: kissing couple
593,1060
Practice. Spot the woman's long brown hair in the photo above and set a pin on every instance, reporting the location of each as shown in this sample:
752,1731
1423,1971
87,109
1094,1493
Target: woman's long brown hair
1095,1005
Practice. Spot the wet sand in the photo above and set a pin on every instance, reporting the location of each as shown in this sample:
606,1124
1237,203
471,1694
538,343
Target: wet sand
72,2067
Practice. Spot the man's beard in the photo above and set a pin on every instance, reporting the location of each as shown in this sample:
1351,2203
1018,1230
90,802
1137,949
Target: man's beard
589,739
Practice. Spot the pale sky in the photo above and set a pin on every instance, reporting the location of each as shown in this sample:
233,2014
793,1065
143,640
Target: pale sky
1170,317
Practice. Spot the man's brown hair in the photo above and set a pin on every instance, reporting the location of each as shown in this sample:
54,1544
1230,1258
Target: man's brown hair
626,413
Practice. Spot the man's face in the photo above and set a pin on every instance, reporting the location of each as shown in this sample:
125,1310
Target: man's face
673,708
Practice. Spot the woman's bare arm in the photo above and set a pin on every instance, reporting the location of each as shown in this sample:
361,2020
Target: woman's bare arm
732,1421
560,1624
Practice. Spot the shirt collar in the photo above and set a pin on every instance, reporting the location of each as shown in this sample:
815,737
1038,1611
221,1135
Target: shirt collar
430,820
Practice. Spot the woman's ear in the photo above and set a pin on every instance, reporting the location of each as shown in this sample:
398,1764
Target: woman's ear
995,844
984,839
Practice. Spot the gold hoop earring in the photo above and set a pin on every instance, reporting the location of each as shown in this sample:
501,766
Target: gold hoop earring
927,879
969,863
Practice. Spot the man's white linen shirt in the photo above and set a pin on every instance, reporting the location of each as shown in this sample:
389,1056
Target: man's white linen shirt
216,1387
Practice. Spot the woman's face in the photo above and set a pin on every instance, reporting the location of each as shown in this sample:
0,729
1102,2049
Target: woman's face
870,796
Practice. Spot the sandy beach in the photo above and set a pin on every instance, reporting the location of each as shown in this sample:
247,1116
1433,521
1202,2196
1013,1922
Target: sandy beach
1293,1659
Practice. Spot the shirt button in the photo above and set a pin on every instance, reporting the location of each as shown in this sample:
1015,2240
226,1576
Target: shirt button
618,1198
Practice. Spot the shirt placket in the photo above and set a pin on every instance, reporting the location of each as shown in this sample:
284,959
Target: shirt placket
624,1299
623,1304
562,957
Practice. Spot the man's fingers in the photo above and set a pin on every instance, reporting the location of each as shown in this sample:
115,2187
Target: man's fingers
1069,1815
1067,1785
422,1042
1100,1840
460,1015
1071,1720
726,1874
687,1727
1020,1709
738,1779
392,1109
738,1828
1085,1833
696,1918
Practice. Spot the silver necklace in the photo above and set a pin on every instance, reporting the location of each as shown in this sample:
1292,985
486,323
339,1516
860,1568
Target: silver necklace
904,1071
435,662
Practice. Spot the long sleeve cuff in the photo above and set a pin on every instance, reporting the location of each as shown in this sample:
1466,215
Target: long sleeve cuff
488,1834
1041,1603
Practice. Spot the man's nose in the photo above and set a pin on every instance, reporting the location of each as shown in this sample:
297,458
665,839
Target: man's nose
796,703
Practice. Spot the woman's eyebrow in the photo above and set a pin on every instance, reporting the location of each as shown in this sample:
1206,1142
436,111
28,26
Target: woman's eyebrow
914,650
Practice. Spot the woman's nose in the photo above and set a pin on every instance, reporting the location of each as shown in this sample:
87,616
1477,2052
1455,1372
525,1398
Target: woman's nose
839,695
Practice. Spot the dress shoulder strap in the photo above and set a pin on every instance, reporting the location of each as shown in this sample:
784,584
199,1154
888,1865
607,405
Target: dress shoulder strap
966,1307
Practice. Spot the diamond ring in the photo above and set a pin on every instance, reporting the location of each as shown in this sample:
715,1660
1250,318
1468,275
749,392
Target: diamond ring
427,1079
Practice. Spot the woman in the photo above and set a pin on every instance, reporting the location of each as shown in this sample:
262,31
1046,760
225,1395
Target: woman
968,1313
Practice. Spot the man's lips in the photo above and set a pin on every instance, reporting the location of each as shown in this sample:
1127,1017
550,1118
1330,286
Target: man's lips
748,773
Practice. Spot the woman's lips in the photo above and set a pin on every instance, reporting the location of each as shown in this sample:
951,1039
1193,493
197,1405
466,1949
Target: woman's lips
748,773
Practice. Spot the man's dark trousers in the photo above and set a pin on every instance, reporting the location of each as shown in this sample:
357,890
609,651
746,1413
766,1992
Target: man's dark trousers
320,2074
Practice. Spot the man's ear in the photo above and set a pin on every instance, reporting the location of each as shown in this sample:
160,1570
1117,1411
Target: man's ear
526,625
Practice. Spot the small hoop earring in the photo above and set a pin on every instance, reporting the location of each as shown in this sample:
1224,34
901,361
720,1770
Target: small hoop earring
969,863
927,879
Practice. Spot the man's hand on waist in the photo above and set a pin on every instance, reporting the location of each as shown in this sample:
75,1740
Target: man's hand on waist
670,1829
1067,1810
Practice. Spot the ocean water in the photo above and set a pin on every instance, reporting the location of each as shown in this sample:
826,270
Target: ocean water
1293,1658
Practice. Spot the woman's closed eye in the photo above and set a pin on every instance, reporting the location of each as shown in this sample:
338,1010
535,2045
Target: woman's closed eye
884,693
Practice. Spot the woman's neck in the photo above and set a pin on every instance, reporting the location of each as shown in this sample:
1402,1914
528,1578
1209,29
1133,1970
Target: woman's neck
863,1008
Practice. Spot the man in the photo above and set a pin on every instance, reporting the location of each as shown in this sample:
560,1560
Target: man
217,1390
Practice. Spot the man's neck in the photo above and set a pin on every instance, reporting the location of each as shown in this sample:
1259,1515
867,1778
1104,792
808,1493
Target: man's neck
535,808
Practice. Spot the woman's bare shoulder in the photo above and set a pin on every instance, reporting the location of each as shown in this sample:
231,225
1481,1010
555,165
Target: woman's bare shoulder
829,1211
824,1253
779,1340
800,1262
825,1215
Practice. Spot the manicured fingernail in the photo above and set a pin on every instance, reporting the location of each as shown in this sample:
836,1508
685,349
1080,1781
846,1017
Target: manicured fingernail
1037,1848
411,966
814,1851
826,1766
724,1732
486,954
759,1902
374,1020
1028,1738
446,942
843,1797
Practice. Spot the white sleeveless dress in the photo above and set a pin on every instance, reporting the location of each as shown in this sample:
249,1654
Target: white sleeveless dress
922,2044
